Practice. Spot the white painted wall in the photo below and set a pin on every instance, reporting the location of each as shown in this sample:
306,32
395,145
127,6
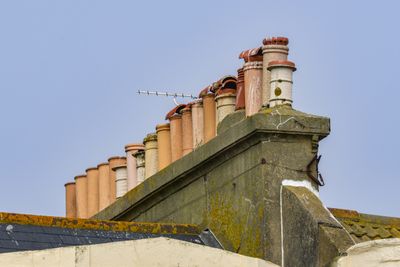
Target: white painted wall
146,252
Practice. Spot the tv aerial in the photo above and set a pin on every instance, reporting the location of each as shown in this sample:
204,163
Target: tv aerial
174,95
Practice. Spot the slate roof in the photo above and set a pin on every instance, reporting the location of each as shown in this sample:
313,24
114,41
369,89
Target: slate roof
20,232
366,227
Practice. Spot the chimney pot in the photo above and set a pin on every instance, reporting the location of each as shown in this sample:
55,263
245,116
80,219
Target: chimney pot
81,196
140,165
130,149
104,185
70,200
121,180
281,82
197,123
151,154
164,145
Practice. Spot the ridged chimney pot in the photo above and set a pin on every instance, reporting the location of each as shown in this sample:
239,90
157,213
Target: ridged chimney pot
225,100
121,180
151,154
281,82
130,149
164,145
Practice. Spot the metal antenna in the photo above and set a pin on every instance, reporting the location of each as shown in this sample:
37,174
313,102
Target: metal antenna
174,95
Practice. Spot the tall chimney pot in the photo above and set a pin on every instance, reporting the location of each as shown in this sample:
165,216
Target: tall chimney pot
114,161
131,164
209,116
70,200
187,130
197,123
140,166
175,121
81,196
151,154
92,175
164,145
121,180
281,82
104,185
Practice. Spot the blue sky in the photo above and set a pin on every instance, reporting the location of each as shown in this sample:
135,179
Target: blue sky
69,72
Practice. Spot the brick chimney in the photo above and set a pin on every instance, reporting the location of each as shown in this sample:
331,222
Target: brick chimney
281,82
92,175
209,113
197,123
81,196
253,71
131,164
140,166
175,120
164,145
151,154
240,102
104,185
121,180
187,130
70,200
275,48
114,161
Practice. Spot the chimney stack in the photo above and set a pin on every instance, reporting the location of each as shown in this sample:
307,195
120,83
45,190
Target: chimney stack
253,71
275,48
187,130
114,161
164,145
104,185
131,164
140,166
92,175
121,180
175,120
197,123
81,196
209,113
151,154
281,82
240,102
70,200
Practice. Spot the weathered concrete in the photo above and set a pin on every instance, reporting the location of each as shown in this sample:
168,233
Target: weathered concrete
169,252
233,186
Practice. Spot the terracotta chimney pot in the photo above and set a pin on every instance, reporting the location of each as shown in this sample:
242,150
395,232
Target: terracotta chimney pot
225,100
209,111
240,101
187,130
92,175
197,123
140,166
176,137
81,196
151,154
131,163
253,71
121,180
275,48
164,145
70,200
114,161
281,82
104,185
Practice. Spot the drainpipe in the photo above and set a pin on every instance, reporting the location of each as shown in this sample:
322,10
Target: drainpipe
92,175
140,166
151,154
197,123
240,102
70,200
131,164
175,121
281,82
187,130
121,180
104,185
113,161
209,113
81,196
164,145
253,70
275,48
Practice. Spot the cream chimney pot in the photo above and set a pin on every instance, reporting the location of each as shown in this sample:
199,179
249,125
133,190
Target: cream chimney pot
92,175
275,48
281,82
187,130
209,111
197,123
104,185
226,102
121,180
151,154
140,166
81,196
164,145
70,200
114,161
131,164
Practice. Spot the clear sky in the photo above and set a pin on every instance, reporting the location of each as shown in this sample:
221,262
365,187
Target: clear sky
69,72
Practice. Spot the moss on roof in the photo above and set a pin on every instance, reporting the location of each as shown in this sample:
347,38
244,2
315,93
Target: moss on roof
366,227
